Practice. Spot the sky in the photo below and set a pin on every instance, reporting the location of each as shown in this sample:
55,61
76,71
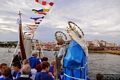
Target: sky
99,19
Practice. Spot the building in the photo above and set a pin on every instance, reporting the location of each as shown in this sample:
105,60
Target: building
111,45
96,43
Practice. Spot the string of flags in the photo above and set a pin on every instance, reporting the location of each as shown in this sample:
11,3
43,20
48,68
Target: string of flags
47,4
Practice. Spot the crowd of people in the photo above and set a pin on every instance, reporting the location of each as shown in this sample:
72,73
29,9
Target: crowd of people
32,68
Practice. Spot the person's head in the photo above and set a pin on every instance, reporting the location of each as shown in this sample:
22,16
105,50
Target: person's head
26,61
17,66
99,76
26,69
2,67
34,53
44,59
7,72
45,66
19,53
53,62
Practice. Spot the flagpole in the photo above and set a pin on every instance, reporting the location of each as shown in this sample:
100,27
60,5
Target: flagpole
21,37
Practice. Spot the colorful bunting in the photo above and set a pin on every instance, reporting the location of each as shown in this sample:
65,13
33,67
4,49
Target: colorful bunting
39,12
45,10
32,27
43,2
37,18
29,34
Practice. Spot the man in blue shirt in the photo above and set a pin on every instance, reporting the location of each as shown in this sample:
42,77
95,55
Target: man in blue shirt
17,68
34,61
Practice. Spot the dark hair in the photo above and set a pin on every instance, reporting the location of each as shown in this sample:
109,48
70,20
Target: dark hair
99,76
17,64
7,72
44,59
19,52
3,64
45,64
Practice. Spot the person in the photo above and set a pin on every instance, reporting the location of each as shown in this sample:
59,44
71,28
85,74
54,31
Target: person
38,67
34,61
33,71
16,68
25,71
52,67
6,74
75,59
53,71
99,76
43,75
26,61
17,58
2,68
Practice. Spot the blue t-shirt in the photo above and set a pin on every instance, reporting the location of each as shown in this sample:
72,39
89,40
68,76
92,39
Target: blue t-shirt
10,77
52,71
43,76
5,79
34,62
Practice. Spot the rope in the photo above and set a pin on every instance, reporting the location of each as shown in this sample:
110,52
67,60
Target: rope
73,77
79,68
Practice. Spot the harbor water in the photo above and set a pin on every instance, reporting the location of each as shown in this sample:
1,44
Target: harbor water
97,62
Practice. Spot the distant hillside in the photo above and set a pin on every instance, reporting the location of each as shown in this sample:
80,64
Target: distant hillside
8,43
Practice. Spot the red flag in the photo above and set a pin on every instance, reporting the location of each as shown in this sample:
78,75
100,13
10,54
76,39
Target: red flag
44,2
51,3
42,13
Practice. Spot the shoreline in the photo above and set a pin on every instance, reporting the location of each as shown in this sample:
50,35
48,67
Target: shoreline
116,52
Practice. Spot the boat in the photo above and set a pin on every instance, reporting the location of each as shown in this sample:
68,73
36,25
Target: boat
24,44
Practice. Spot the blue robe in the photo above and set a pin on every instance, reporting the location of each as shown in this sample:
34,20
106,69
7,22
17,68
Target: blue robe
33,61
43,76
75,62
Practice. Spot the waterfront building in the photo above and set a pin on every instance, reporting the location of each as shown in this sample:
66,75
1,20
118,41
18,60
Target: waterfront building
96,43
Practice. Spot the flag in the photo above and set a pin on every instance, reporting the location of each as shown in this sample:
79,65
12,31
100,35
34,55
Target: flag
29,34
43,2
21,40
45,10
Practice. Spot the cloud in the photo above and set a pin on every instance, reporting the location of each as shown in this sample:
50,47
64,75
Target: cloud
99,19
